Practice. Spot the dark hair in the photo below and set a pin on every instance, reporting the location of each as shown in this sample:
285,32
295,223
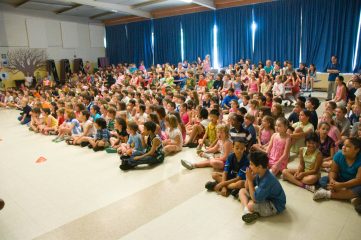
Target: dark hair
315,102
341,78
142,107
332,104
101,123
46,110
312,137
150,126
355,141
121,122
36,110
86,113
258,158
214,112
172,104
96,108
343,109
240,140
238,119
161,112
307,113
203,113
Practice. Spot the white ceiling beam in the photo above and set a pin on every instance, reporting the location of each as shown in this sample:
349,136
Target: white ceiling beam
205,3
112,7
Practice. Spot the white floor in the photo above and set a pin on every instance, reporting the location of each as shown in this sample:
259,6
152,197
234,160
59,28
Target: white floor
74,182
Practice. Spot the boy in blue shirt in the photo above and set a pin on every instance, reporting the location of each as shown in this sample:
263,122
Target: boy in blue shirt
248,124
226,103
234,175
263,195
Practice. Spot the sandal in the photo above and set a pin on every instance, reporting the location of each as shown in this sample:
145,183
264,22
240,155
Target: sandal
70,141
250,217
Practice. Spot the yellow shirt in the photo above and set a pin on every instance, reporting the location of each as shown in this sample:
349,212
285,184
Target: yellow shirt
212,132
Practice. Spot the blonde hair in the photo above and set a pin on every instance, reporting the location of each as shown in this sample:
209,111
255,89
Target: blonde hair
172,120
223,128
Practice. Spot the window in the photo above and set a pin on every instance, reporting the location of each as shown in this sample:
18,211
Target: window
182,43
254,28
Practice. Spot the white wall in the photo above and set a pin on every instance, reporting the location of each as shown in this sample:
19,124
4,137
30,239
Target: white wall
62,36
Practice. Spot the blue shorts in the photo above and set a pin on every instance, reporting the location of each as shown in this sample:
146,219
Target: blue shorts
355,189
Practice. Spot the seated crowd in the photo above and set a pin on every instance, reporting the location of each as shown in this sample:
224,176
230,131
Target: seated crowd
235,119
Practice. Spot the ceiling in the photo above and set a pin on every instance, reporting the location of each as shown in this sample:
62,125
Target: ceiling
110,11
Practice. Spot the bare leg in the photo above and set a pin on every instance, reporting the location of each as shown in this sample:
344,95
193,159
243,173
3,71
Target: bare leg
343,195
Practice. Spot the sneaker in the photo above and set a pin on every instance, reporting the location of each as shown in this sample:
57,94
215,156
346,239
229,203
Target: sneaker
210,185
250,217
125,167
310,188
59,140
187,164
320,194
84,144
356,201
111,150
192,145
55,139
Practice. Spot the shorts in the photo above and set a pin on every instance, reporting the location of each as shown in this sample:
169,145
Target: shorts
265,209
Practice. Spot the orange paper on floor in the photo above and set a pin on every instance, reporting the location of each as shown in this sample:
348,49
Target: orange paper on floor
41,159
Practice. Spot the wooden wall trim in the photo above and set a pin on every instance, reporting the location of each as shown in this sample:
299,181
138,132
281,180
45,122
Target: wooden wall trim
193,8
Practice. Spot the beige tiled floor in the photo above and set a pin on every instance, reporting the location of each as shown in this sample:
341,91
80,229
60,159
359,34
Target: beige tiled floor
77,189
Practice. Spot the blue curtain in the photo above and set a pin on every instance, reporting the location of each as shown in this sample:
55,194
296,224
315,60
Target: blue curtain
117,50
167,40
198,34
278,31
330,28
234,34
140,42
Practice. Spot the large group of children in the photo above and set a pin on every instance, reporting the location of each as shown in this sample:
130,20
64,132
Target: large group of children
235,120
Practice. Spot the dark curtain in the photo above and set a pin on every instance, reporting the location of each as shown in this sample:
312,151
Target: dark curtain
167,40
117,41
198,34
330,28
278,31
234,34
140,42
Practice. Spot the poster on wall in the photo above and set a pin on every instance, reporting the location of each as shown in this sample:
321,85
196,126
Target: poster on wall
4,60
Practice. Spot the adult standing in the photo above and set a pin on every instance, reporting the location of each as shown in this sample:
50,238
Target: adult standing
334,69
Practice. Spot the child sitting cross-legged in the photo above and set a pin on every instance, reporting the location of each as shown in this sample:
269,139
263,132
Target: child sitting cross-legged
134,146
308,171
119,136
174,141
154,149
223,146
102,136
263,195
87,129
233,176
70,127
50,123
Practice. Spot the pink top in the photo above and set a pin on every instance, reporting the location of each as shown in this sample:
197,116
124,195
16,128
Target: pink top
265,136
185,118
277,149
334,133
339,92
206,66
253,87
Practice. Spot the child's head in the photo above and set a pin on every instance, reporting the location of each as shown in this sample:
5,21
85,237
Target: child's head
35,112
84,115
304,116
111,113
120,124
171,121
69,114
324,128
258,161
46,111
239,146
312,103
281,125
276,110
254,103
312,141
340,112
331,107
234,104
100,123
214,115
132,127
249,119
298,107
268,122
223,131
351,147
203,113
149,127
